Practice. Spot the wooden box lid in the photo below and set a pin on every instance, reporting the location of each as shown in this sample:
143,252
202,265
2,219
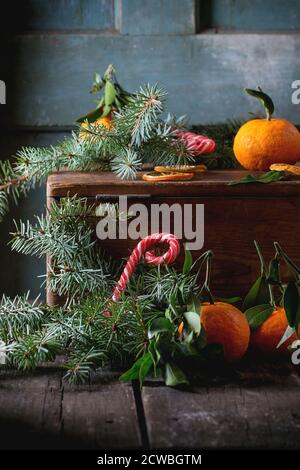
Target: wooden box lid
211,183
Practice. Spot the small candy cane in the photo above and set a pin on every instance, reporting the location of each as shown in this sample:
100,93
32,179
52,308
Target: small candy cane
142,249
195,143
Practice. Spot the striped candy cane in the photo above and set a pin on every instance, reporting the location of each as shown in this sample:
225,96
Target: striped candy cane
144,248
195,143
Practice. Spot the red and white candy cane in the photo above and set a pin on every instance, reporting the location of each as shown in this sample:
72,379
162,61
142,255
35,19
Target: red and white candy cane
195,143
143,248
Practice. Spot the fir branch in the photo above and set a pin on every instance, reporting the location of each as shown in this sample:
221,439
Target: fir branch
164,149
126,164
49,238
139,118
19,316
158,284
75,281
71,207
34,349
81,363
10,185
78,265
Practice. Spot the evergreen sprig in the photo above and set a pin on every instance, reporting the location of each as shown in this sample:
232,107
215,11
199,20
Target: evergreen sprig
19,317
84,333
138,135
78,265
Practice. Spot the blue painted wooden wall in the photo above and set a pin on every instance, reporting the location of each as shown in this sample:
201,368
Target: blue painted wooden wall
203,52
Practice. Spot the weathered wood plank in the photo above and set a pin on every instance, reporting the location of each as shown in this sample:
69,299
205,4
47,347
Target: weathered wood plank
30,409
211,183
101,416
156,17
251,15
38,15
39,410
254,414
201,72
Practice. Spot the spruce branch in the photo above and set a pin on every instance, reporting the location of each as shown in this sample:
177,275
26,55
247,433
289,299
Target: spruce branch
19,316
78,264
139,118
163,148
81,363
34,349
11,184
126,164
49,238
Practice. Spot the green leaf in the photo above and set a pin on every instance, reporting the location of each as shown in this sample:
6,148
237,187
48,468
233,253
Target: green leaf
92,116
139,370
291,303
159,325
106,110
287,334
274,274
194,304
258,294
186,349
229,300
98,83
145,367
201,340
173,302
188,261
258,314
189,338
266,178
174,376
290,263
264,99
193,320
110,93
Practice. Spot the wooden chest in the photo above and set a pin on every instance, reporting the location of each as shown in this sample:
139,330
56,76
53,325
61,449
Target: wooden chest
233,216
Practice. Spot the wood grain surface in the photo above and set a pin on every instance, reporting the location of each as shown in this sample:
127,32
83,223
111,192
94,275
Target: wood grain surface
257,406
234,216
40,410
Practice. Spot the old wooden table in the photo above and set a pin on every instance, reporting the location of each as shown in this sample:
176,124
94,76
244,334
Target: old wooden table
258,407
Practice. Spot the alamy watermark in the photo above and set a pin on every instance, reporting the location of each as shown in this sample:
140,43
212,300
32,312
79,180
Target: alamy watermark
295,358
296,94
122,221
2,92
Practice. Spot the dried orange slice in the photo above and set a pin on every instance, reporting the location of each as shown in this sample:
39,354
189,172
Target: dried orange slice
155,176
286,167
181,169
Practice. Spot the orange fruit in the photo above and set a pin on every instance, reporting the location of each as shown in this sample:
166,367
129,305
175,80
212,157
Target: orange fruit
227,325
261,142
266,337
103,121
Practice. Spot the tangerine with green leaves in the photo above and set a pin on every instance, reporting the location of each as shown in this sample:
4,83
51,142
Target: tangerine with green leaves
267,336
262,142
227,325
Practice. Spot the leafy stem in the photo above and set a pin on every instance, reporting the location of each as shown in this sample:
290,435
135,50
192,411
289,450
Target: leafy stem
264,99
290,263
206,285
